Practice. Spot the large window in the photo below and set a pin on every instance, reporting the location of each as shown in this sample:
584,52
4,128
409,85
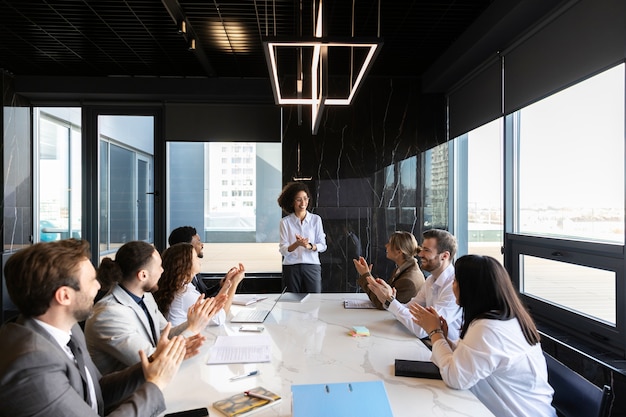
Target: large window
58,189
567,253
485,226
228,192
571,162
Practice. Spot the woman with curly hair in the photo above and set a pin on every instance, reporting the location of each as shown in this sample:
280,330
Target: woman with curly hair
302,238
176,292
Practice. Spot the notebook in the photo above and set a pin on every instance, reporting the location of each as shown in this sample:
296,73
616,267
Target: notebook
240,405
255,316
247,299
354,303
417,369
341,399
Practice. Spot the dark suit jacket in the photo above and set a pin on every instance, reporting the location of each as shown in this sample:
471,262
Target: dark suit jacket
37,378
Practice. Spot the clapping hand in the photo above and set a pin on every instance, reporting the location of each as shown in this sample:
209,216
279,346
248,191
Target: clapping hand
380,288
166,359
361,266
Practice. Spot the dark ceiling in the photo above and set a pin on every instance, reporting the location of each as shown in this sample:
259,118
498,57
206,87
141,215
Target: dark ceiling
141,37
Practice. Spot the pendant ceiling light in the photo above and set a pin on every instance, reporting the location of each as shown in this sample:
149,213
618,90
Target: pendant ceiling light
312,80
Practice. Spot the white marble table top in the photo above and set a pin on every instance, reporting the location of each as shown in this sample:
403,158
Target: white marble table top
311,344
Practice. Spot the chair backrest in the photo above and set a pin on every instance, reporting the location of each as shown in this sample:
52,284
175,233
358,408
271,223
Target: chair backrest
575,396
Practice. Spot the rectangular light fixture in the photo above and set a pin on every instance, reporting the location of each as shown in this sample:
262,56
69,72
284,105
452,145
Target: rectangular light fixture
270,52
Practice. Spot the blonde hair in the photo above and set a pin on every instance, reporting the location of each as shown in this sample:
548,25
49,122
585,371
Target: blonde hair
405,242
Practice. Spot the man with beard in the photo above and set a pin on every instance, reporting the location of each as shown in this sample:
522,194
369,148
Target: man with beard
127,319
43,371
436,256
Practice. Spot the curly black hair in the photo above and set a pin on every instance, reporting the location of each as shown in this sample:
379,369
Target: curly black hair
288,195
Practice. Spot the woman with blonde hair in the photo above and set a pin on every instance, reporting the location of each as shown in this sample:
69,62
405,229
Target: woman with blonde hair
406,278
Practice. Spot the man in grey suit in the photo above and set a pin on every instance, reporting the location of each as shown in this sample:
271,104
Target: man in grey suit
128,319
44,367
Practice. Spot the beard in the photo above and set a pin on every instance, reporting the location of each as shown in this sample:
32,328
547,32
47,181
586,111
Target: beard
83,313
431,265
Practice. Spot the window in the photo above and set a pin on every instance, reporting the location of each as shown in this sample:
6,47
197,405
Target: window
407,192
126,180
58,140
236,224
485,226
567,253
571,162
435,195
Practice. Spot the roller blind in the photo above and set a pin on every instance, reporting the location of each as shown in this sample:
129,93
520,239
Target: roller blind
476,101
581,40
222,123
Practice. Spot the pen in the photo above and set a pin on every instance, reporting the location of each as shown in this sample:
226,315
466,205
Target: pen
244,375
259,396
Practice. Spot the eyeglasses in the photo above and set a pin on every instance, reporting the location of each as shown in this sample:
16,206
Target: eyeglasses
302,200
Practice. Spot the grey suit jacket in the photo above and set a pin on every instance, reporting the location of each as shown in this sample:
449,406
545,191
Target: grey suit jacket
37,378
119,328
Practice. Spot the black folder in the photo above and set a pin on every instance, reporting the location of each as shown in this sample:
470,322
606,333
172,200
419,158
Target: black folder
417,369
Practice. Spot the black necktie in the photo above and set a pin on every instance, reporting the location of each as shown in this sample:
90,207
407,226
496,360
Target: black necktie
80,364
145,309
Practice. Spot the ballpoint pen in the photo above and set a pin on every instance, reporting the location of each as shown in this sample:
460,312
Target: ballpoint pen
236,377
259,396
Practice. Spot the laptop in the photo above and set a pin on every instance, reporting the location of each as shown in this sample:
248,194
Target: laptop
255,316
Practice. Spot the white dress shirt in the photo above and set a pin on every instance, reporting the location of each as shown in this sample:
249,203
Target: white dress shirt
311,228
497,364
185,299
436,292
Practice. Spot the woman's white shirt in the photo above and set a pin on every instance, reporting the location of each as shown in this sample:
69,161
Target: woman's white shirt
185,299
497,364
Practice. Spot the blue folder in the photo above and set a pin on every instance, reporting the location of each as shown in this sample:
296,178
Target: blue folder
346,399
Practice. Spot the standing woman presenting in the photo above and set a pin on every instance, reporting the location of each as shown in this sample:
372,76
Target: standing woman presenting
302,238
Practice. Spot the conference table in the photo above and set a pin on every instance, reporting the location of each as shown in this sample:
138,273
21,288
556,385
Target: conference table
310,343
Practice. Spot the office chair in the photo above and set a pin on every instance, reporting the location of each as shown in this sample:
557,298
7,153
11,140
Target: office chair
574,396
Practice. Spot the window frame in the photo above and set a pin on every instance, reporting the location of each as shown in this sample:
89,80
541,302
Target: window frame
604,256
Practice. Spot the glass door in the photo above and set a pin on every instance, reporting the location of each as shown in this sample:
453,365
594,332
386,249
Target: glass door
126,205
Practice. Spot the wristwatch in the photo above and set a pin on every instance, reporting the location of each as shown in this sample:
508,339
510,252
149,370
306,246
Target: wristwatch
310,246
389,301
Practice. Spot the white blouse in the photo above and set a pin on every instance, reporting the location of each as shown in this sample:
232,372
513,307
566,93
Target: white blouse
497,364
185,299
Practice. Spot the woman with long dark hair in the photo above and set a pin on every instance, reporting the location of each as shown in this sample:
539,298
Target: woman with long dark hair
498,357
176,292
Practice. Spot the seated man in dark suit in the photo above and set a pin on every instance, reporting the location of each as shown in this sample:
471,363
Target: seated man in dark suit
45,369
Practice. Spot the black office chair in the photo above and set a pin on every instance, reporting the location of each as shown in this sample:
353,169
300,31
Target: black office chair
574,396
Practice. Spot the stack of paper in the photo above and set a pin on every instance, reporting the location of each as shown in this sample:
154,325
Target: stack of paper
240,349
359,331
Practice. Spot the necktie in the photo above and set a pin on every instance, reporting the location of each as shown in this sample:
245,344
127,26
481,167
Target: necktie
80,364
145,309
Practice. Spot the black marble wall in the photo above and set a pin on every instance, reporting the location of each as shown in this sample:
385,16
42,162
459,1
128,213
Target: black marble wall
389,121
